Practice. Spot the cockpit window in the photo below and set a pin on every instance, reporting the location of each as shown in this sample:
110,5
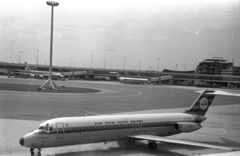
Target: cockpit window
41,128
50,129
46,128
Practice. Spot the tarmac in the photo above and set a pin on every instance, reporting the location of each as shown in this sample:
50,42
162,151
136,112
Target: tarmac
23,111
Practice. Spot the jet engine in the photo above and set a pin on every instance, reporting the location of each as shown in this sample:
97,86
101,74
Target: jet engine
186,126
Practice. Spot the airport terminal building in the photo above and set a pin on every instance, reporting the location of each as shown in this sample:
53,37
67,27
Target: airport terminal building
210,71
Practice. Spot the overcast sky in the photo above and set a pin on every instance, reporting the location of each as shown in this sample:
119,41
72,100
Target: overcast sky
178,32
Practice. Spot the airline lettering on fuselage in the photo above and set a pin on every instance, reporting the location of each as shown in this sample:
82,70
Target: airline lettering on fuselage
136,121
117,122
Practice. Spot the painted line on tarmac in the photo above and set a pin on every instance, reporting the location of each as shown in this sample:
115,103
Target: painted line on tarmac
103,91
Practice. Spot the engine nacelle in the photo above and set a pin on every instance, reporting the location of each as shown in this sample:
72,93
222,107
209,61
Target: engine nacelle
186,126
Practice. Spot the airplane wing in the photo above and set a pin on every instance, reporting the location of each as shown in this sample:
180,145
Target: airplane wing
223,93
175,141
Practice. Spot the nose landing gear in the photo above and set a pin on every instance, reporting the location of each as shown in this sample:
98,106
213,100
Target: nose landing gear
35,151
152,145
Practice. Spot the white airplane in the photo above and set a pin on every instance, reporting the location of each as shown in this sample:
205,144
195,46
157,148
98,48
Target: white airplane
32,73
152,127
130,80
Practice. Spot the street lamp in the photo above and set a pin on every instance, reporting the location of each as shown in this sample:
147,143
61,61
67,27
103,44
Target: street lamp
37,59
139,65
19,57
124,62
50,81
104,64
91,60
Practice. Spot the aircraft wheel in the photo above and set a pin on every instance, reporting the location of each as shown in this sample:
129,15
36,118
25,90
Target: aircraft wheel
152,145
131,141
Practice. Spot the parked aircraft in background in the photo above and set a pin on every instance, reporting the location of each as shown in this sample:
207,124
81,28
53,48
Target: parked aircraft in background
130,80
102,78
161,78
152,127
33,73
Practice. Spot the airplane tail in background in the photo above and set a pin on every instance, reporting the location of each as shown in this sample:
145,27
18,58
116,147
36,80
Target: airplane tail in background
202,103
27,66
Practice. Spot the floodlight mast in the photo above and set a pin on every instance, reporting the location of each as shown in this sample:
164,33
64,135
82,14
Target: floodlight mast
50,81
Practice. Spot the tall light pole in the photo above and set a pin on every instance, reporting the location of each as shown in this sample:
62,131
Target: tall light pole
19,57
139,65
91,60
50,81
158,64
37,59
104,64
124,62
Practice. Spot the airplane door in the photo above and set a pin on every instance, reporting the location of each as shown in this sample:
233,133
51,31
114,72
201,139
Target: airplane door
60,130
137,125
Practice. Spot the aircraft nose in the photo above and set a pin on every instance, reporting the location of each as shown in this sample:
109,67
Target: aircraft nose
21,141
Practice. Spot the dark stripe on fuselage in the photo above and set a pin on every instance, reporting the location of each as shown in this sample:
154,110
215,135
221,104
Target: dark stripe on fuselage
136,125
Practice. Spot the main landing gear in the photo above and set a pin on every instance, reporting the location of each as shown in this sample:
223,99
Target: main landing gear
131,141
152,145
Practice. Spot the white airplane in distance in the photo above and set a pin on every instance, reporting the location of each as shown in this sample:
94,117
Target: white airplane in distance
41,74
131,80
152,127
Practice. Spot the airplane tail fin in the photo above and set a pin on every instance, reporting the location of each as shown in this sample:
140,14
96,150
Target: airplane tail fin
27,66
202,103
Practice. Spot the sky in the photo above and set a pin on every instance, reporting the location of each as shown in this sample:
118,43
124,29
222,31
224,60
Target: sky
149,34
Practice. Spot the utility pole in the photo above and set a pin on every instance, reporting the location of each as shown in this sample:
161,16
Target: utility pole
37,59
91,60
124,62
139,65
19,57
104,64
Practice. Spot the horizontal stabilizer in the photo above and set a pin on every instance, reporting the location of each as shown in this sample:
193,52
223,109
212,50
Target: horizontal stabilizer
175,141
222,93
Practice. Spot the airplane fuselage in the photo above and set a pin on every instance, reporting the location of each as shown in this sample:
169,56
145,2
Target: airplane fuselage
36,72
91,129
134,80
